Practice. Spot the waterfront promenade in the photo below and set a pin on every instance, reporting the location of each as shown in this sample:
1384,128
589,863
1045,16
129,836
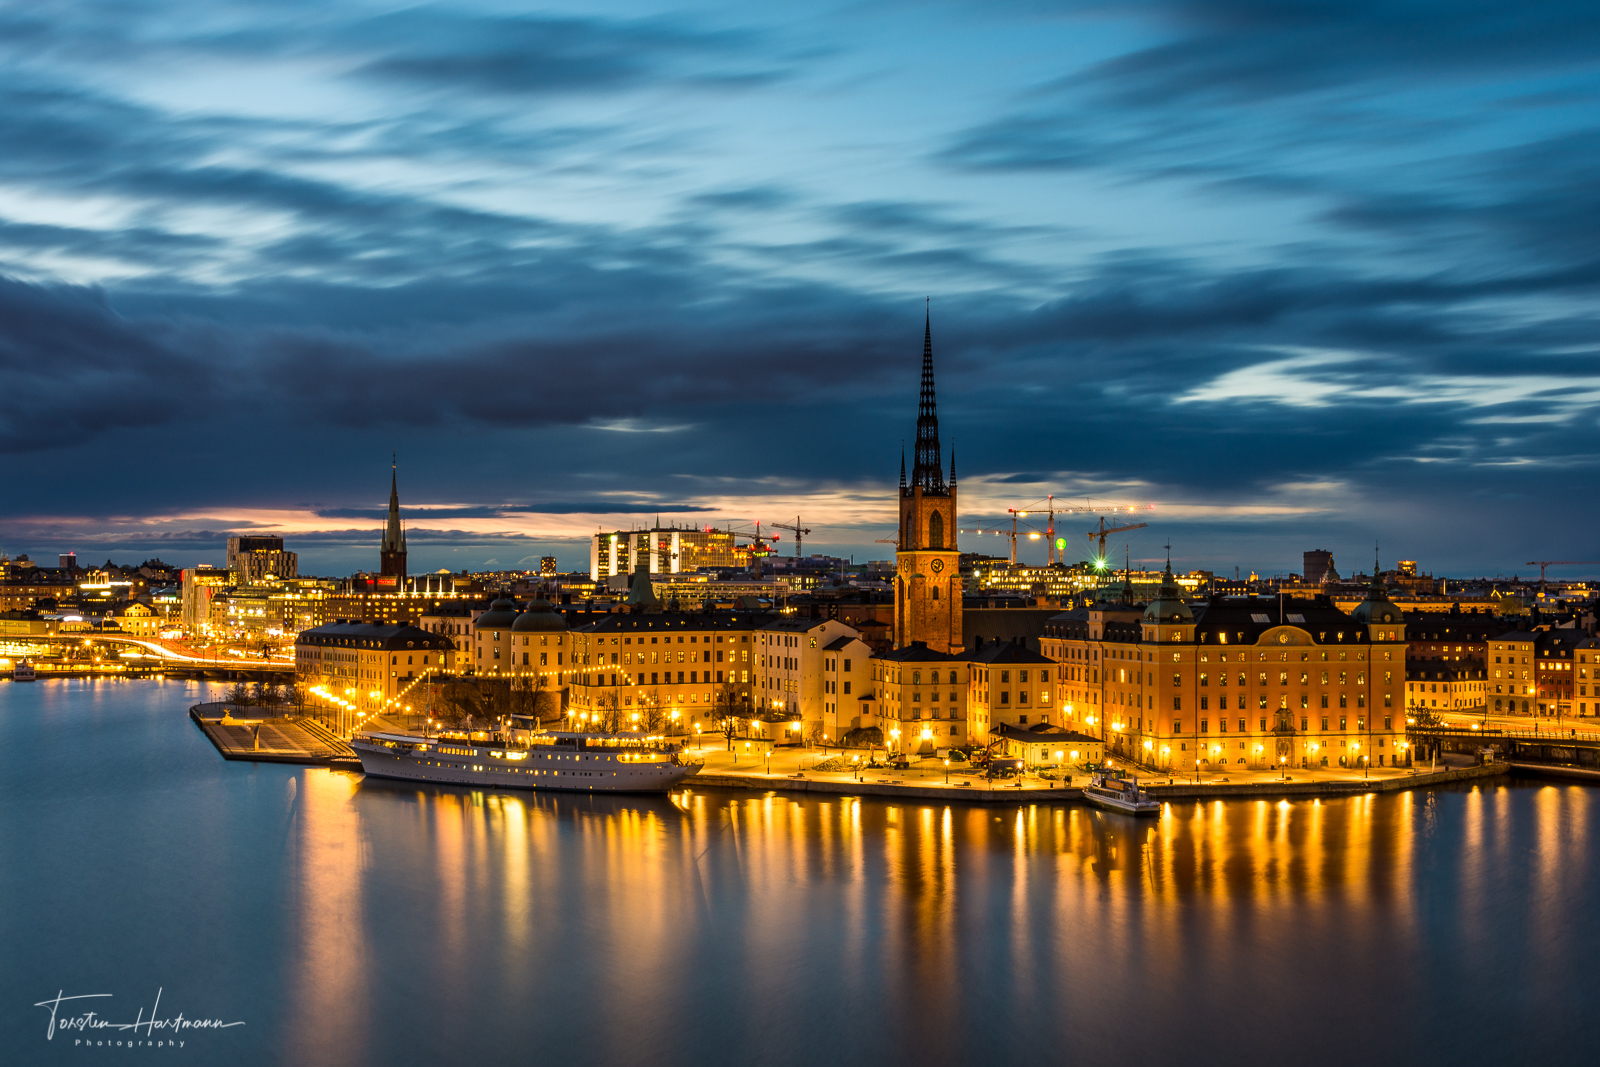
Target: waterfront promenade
813,771
293,739
794,770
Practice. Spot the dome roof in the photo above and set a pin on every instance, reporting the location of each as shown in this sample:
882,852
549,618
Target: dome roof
540,617
501,613
1377,607
1168,606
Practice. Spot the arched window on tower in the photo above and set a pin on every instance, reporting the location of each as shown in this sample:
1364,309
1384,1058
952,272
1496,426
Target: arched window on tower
936,530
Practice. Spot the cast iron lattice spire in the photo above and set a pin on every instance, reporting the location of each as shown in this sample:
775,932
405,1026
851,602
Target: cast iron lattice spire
394,536
928,473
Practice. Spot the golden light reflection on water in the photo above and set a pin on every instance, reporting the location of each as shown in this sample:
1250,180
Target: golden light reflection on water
915,909
329,996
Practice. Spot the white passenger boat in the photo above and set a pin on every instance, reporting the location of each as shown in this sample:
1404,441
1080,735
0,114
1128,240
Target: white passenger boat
586,763
1120,794
23,671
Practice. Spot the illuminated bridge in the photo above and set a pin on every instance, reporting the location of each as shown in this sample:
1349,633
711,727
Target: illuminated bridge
1573,749
157,655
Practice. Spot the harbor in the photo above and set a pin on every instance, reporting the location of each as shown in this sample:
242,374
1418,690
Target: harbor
799,771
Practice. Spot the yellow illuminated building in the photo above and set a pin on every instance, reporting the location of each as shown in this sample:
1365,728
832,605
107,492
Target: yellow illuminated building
1250,682
368,665
667,668
921,696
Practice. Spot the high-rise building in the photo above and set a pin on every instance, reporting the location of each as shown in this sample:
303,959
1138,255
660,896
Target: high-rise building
392,553
252,559
200,584
927,588
1319,567
667,549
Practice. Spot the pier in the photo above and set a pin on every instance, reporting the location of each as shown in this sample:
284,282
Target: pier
292,739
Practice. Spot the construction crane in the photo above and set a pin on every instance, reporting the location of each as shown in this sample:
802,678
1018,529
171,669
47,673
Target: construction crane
756,549
794,528
1543,563
1105,531
1013,533
1058,547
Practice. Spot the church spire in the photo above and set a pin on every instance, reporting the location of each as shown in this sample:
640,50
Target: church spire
392,553
928,473
902,464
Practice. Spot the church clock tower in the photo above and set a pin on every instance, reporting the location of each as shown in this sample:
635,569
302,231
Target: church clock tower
927,588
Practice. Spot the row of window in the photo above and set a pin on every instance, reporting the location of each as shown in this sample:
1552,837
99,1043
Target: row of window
1261,725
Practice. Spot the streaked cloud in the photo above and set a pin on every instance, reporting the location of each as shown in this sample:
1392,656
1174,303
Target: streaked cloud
1293,272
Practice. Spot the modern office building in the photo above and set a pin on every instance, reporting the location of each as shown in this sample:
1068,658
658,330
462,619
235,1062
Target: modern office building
252,559
666,549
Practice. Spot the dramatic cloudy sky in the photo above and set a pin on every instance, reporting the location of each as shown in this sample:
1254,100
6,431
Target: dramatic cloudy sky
1302,274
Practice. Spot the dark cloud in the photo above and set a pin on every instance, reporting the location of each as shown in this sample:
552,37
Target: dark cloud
544,55
1249,50
1403,309
75,370
586,507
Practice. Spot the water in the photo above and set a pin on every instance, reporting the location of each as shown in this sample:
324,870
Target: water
351,922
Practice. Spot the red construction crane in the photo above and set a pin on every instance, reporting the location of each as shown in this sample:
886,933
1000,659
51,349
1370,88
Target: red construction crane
757,548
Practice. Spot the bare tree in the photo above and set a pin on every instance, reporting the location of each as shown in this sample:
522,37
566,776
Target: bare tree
608,714
655,717
239,694
522,695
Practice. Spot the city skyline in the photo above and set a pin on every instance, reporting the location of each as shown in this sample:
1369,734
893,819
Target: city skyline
1301,277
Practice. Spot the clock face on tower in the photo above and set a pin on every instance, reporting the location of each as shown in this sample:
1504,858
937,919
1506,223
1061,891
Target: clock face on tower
936,566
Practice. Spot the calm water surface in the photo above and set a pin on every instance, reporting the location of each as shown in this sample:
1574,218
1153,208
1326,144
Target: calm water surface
352,922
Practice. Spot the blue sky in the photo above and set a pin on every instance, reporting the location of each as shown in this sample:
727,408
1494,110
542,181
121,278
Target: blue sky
1300,274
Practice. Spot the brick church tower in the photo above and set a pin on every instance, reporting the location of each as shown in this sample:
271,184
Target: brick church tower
927,588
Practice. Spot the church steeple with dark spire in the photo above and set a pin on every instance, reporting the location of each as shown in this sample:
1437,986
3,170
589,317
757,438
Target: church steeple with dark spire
392,554
928,472
928,582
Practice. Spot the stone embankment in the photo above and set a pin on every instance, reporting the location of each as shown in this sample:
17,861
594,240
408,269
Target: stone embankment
1001,793
296,739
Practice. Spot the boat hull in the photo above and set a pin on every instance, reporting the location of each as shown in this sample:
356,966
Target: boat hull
554,774
1126,807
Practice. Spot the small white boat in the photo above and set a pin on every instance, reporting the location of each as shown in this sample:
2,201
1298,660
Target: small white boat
23,671
1120,794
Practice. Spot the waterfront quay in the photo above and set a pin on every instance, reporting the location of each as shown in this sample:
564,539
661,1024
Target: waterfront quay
795,770
801,770
295,739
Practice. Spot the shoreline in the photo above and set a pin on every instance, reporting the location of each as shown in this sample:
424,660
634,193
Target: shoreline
777,783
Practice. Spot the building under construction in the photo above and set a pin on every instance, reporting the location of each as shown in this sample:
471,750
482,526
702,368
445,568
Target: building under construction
668,549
